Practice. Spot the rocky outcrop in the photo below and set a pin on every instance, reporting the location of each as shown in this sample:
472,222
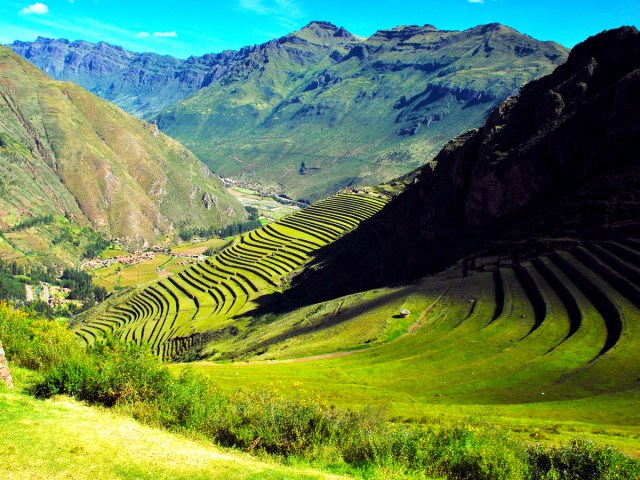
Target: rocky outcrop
5,374
558,161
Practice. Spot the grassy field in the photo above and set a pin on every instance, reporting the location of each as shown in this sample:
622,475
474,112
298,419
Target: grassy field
519,358
545,347
63,439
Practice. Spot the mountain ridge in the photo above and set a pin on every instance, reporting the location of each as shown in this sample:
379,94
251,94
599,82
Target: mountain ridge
554,165
366,110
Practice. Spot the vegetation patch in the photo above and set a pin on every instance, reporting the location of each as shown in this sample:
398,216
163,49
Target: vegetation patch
130,379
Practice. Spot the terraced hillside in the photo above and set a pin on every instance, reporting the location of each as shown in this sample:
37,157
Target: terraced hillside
171,313
560,331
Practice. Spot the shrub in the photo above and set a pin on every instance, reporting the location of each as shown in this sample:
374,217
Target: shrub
112,373
34,343
580,459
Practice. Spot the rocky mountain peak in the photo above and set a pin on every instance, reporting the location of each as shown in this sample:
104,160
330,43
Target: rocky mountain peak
322,33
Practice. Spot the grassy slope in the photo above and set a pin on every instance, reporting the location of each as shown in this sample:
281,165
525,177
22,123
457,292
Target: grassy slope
61,438
66,151
450,367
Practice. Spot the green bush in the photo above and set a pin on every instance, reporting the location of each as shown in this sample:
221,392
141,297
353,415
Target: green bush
35,343
580,459
113,372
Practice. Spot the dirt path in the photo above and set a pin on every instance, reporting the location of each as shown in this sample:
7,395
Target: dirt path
413,328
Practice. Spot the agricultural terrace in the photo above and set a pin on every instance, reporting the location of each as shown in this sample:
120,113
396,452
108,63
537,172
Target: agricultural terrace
209,294
554,338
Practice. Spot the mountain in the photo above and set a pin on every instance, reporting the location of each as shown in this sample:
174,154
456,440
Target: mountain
362,112
319,109
140,83
554,166
66,153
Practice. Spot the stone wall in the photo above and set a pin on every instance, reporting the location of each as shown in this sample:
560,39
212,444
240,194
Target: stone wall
5,374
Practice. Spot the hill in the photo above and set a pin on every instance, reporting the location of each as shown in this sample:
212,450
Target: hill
68,156
139,83
365,110
532,322
553,166
360,112
185,311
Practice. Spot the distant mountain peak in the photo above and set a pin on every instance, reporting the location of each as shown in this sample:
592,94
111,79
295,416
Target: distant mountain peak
321,29
321,24
403,32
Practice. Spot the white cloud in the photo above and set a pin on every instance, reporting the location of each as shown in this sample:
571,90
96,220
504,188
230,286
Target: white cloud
287,12
280,8
476,1
142,34
165,34
255,6
36,8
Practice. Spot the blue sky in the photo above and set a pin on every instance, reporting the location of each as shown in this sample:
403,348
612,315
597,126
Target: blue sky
194,27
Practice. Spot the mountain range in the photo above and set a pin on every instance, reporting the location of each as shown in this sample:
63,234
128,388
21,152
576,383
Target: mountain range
318,109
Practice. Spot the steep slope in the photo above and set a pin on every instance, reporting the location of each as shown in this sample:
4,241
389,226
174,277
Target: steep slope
318,109
362,117
66,152
558,162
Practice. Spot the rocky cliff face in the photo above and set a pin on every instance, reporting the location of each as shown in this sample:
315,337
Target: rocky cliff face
558,161
353,111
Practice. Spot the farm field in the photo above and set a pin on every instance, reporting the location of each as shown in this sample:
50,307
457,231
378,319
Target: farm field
120,275
546,348
267,207
172,313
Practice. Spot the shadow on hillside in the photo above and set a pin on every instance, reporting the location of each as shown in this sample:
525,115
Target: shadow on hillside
329,320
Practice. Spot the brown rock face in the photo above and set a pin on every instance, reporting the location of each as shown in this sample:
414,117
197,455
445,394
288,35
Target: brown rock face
5,374
560,160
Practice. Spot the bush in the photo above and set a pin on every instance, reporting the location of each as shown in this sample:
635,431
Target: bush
34,343
110,374
580,459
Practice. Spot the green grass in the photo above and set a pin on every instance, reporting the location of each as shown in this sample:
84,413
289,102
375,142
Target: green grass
457,364
63,438
130,380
